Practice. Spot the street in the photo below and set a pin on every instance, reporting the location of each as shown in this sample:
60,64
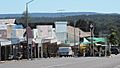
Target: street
70,62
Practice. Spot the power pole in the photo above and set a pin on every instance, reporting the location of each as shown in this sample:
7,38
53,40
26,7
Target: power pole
92,35
28,52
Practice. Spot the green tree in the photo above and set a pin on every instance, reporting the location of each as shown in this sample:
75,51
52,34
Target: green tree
83,24
113,37
118,36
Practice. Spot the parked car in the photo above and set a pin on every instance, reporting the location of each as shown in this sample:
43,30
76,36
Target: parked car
115,50
65,51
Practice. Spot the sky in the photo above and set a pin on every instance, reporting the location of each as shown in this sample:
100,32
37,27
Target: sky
54,6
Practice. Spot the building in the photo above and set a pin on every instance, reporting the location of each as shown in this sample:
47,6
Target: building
45,36
10,37
7,21
3,31
75,39
61,31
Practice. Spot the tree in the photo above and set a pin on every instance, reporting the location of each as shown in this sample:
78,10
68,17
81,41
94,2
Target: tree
113,37
83,24
22,19
118,36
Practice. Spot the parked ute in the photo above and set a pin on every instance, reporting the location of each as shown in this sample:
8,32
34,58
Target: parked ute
65,51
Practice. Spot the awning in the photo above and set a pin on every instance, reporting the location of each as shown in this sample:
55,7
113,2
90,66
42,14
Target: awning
4,43
15,40
96,40
85,41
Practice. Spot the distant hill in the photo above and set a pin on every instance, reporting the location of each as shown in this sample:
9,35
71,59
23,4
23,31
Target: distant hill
62,14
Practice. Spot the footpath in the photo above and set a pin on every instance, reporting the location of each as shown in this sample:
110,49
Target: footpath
25,60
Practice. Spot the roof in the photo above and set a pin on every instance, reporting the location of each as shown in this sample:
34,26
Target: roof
84,34
61,22
78,32
7,21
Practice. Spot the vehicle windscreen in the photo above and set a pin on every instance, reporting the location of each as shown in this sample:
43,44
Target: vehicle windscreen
64,50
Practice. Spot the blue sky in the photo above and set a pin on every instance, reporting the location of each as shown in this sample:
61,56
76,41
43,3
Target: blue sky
51,6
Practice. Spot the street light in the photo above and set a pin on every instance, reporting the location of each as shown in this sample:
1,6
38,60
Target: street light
92,35
27,26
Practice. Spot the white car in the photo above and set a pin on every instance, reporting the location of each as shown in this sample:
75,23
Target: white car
65,51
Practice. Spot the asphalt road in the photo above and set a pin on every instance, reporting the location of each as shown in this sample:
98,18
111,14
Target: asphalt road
72,62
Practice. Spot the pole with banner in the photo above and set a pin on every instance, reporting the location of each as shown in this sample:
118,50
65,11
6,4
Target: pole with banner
30,37
27,26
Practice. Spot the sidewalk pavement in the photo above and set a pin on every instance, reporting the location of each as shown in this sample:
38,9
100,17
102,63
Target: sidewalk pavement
24,60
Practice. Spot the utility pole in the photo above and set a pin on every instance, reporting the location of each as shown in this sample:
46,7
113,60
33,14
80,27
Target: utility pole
75,37
79,42
92,35
27,28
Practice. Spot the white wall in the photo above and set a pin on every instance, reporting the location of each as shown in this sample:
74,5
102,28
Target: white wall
44,31
61,26
61,31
